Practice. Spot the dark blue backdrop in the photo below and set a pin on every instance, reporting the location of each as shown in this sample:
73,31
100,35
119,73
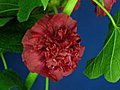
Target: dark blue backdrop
92,30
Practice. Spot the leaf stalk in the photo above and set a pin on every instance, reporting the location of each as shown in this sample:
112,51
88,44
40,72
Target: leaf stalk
30,80
47,84
4,61
69,6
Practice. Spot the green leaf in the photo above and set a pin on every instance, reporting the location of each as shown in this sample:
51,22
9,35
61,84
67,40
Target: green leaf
9,80
3,21
45,3
107,62
8,8
26,7
11,34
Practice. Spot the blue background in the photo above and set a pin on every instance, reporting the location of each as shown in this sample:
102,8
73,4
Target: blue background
93,31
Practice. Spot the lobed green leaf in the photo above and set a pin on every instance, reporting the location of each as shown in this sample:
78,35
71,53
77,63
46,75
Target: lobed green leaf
25,8
107,62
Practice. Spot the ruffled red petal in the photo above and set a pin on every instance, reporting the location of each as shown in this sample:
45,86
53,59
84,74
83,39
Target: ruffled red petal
52,46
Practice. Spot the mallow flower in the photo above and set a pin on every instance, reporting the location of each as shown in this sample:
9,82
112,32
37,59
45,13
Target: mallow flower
52,46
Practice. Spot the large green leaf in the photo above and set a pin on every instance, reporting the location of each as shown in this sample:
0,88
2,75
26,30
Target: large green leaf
45,3
26,7
9,80
107,62
8,8
11,34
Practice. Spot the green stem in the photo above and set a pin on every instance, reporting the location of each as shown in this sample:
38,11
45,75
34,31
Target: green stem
4,61
30,80
47,84
109,15
69,6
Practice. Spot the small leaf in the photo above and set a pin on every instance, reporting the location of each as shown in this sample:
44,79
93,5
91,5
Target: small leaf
9,80
26,7
11,34
107,62
3,21
45,3
8,8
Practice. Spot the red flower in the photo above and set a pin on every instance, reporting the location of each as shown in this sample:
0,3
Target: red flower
107,4
52,47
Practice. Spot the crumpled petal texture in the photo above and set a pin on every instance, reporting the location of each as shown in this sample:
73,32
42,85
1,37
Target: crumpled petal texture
107,4
52,47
